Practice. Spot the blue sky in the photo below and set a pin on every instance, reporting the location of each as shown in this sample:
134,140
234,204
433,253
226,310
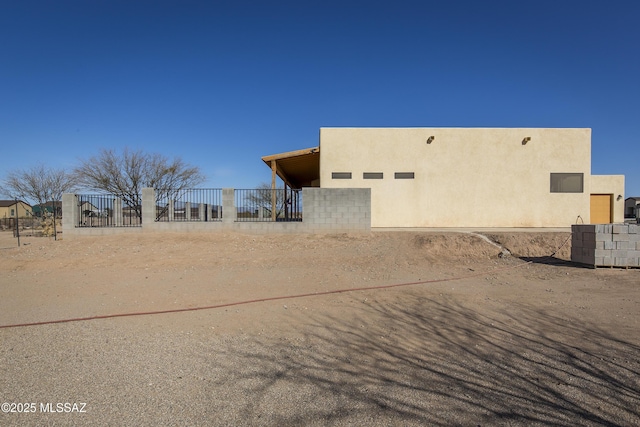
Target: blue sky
223,83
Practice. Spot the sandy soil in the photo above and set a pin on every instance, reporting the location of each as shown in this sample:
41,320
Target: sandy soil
471,338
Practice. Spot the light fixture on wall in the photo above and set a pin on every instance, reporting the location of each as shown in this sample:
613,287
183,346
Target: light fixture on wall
525,140
619,197
430,139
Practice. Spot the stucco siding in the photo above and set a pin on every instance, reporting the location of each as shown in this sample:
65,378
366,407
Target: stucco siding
613,185
466,177
21,210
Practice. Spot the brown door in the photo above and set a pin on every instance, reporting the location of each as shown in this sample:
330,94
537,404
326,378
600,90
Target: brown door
601,208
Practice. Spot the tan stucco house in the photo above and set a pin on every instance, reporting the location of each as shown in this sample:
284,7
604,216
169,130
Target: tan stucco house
461,177
632,207
13,209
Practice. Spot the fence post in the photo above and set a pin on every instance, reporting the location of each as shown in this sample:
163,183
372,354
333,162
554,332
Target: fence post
148,206
69,213
228,205
172,210
117,211
274,201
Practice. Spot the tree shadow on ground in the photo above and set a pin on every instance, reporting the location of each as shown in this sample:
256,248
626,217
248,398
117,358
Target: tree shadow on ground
433,361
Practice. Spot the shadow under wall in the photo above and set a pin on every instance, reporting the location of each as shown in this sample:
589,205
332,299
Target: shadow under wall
556,262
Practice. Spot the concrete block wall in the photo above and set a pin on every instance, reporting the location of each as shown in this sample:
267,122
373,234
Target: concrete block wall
606,245
343,209
325,210
70,221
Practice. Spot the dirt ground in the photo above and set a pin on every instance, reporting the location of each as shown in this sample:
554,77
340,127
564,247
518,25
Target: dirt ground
441,329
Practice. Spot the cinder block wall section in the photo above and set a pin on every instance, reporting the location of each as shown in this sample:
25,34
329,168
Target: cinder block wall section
325,210
333,209
606,245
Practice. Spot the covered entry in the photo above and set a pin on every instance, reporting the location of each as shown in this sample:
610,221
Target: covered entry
296,169
601,208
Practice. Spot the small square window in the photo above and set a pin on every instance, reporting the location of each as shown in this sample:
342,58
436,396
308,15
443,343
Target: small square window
341,175
404,175
372,175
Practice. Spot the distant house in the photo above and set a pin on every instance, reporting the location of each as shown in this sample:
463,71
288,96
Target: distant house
632,207
39,209
89,209
132,210
14,209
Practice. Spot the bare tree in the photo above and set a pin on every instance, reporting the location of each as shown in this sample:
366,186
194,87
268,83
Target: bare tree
125,174
262,198
40,184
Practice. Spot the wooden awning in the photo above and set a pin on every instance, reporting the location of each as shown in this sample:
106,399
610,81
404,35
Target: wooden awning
297,169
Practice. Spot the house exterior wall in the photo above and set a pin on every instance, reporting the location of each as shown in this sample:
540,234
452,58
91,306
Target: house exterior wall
465,177
632,204
23,210
614,186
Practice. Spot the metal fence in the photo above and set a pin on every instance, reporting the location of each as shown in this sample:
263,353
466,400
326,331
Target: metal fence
266,204
24,223
106,210
7,223
193,204
33,224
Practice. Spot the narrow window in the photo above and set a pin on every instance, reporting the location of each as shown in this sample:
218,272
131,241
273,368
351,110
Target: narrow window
341,175
567,182
404,175
372,175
